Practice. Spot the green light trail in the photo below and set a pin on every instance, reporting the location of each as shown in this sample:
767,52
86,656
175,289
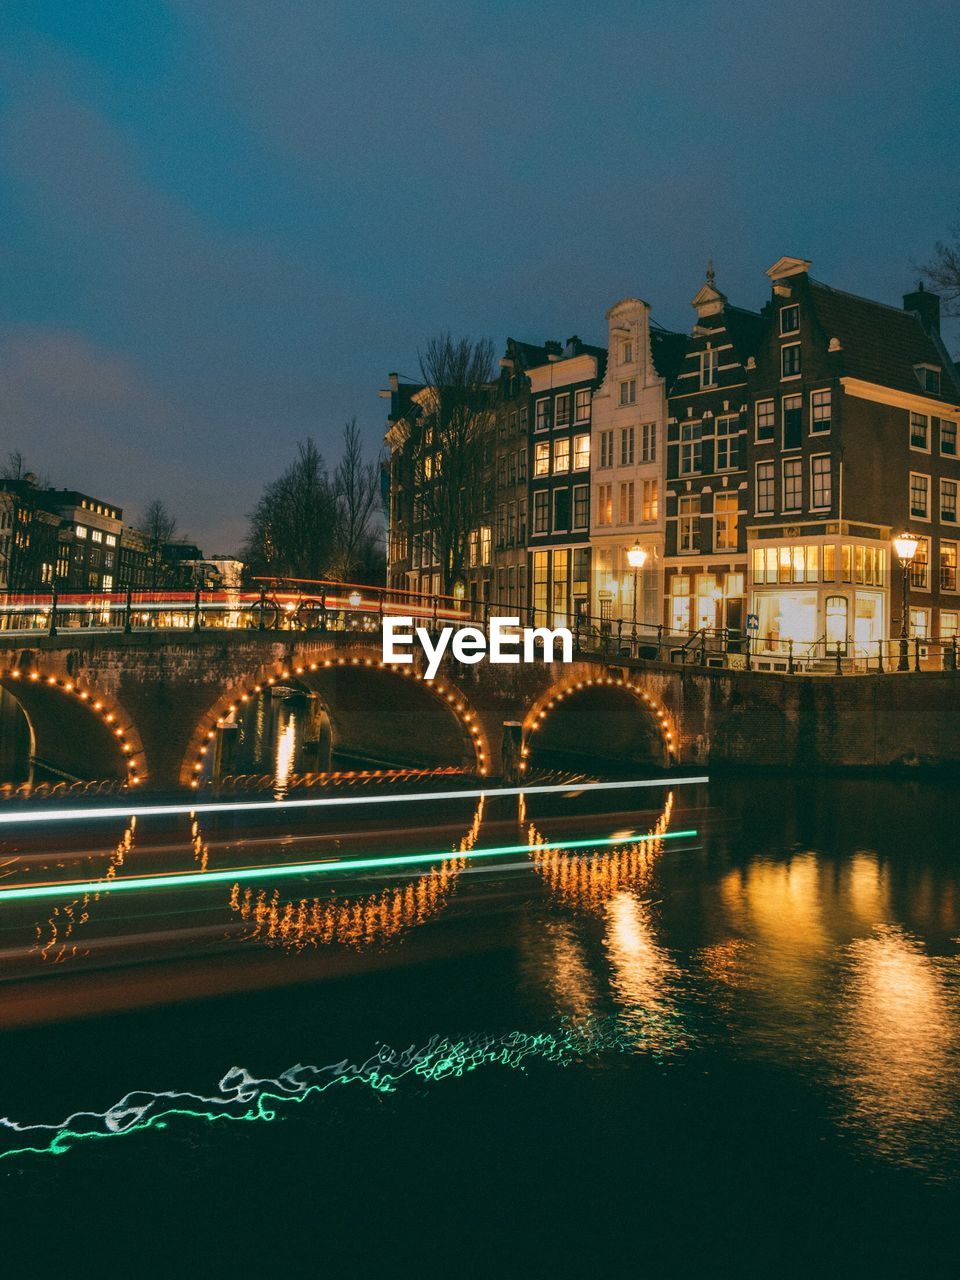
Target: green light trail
190,879
243,1097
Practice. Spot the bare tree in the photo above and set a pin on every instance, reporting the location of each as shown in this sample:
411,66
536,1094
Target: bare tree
453,441
356,489
292,526
158,525
28,553
942,272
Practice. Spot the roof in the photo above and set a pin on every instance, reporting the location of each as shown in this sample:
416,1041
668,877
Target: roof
880,343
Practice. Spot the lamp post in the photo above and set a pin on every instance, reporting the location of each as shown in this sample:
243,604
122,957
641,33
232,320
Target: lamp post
636,558
905,545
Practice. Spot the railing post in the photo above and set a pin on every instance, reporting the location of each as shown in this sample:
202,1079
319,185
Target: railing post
880,655
52,628
576,633
746,653
196,607
436,607
261,625
659,640
702,656
916,653
323,608
128,612
839,659
790,656
380,600
953,653
619,636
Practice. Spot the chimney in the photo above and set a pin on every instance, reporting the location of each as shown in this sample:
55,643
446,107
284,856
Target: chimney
394,380
926,306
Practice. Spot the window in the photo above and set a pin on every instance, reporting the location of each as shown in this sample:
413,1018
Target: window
948,566
502,525
949,620
541,560
606,448
486,539
725,507
820,486
626,351
948,501
790,319
929,378
820,412
96,535
582,405
542,419
920,623
501,472
541,511
919,496
521,464
728,432
604,504
766,498
766,421
688,523
790,360
581,452
792,418
792,484
581,506
561,510
111,539
650,507
561,410
541,459
920,432
108,582
521,522
626,446
920,566
626,503
81,531
648,442
708,367
561,455
628,391
689,448
948,437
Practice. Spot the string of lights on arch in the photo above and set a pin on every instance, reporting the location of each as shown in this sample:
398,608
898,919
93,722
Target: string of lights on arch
542,709
443,692
109,711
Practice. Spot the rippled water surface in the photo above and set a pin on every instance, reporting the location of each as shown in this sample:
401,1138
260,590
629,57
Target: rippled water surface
730,1052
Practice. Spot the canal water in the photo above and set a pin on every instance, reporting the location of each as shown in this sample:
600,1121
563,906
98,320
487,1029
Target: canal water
736,1051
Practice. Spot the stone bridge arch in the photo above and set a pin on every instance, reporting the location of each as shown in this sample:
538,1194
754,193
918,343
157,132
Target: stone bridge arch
347,681
78,729
656,725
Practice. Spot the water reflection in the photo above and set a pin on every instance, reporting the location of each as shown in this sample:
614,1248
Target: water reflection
644,976
357,922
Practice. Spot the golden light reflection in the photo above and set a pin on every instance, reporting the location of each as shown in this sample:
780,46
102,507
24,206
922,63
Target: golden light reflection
285,756
900,1047
644,977
562,962
354,922
588,880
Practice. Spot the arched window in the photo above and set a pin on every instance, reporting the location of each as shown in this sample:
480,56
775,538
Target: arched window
836,622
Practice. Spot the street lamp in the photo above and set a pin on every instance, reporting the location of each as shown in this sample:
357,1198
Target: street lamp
637,558
905,545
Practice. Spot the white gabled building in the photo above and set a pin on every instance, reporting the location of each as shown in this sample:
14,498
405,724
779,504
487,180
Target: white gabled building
627,454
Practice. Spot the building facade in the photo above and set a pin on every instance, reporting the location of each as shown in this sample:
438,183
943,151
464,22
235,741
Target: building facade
707,469
559,569
627,464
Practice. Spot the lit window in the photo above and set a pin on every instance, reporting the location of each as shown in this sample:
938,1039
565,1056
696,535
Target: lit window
765,488
541,459
948,566
486,539
111,539
920,432
626,503
790,360
651,502
766,421
81,531
920,566
790,319
820,412
604,504
920,623
919,496
108,582
581,452
949,619
820,487
792,484
725,509
688,523
561,454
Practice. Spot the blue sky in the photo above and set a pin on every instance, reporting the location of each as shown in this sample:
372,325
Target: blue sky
222,222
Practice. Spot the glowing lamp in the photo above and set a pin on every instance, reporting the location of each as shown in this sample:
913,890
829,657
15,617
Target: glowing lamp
905,545
636,556
354,599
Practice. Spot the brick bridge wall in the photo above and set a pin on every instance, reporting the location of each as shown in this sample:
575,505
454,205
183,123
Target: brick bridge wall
164,693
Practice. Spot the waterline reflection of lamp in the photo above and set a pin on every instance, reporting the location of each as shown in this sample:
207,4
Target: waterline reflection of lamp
636,558
905,545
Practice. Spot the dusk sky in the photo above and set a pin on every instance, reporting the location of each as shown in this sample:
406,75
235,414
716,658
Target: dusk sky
222,222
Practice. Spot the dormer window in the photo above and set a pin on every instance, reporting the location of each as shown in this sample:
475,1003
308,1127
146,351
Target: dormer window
708,367
789,319
928,375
